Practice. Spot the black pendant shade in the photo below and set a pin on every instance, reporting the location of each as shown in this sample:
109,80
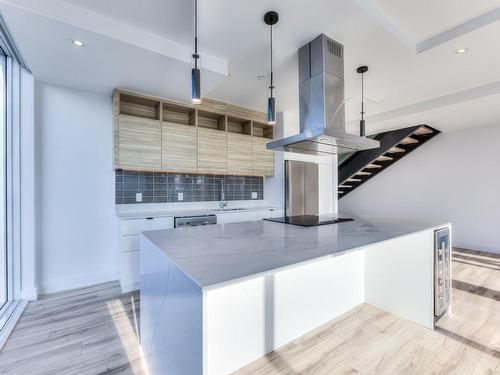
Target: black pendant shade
271,111
195,86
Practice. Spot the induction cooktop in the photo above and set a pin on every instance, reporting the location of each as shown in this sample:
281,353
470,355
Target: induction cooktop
309,220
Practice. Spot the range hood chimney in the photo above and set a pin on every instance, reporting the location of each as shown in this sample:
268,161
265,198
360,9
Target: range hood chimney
322,104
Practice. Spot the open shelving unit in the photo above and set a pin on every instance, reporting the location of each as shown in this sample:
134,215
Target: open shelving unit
140,107
240,126
178,114
210,120
263,130
213,137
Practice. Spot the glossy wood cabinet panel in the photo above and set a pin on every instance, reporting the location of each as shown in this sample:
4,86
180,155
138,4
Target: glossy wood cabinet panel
179,146
239,154
263,159
139,143
212,151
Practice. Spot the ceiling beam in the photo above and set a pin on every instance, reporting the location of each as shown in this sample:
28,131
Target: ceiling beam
459,30
440,101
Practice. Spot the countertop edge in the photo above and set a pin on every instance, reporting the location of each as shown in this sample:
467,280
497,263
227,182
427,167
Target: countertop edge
222,284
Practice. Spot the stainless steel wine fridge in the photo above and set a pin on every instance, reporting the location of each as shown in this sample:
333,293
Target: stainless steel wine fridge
442,272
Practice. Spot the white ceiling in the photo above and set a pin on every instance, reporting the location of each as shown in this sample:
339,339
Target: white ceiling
146,45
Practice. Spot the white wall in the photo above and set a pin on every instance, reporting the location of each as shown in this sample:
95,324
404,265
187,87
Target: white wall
452,178
77,225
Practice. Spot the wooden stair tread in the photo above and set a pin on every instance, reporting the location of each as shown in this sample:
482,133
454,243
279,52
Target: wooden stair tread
345,186
423,130
384,158
361,173
408,141
353,180
395,150
373,166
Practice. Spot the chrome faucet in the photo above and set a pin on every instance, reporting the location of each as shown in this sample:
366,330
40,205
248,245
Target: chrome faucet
223,202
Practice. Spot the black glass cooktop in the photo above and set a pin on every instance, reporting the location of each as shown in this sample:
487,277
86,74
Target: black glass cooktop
309,220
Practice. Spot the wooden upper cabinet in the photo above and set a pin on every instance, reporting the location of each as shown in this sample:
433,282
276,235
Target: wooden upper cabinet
178,151
263,159
239,146
212,155
179,139
139,143
213,137
239,154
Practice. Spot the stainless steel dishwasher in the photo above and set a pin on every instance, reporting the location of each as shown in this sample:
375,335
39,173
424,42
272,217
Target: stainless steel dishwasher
194,221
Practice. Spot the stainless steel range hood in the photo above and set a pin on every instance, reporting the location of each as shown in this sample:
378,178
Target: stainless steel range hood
322,104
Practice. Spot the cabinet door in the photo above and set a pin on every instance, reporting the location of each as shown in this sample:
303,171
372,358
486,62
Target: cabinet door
263,159
239,154
178,152
212,155
139,143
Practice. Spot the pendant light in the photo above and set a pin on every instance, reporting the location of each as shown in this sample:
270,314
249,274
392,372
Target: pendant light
271,18
195,72
362,125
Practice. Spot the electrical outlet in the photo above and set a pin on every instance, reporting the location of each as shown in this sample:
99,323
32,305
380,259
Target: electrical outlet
180,196
138,197
254,195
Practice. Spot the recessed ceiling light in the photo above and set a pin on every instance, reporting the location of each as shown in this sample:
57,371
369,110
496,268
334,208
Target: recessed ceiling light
77,43
461,50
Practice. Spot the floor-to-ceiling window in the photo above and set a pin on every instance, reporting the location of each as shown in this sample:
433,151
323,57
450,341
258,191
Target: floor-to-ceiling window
13,106
5,268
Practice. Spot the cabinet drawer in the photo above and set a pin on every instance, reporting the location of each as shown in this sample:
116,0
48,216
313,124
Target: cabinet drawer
130,242
136,226
267,214
130,271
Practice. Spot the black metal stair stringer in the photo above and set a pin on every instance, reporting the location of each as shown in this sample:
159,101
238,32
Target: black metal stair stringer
359,161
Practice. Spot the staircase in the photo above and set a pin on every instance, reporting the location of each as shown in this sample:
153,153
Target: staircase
358,167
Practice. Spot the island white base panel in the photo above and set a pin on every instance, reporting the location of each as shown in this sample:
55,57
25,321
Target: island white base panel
216,330
246,320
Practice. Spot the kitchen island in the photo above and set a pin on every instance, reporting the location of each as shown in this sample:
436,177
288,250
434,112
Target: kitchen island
215,298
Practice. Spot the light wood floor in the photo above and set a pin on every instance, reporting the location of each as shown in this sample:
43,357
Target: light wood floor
367,340
85,331
94,331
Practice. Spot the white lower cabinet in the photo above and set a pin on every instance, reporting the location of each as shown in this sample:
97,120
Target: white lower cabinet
130,230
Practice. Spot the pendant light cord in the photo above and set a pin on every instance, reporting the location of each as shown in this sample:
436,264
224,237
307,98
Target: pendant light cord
195,54
272,78
362,96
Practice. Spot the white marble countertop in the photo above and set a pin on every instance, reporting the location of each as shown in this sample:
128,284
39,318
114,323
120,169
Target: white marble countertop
143,213
215,254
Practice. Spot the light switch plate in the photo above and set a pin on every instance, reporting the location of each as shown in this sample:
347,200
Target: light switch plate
180,196
138,197
254,195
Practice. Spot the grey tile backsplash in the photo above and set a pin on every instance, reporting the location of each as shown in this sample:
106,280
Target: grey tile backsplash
165,187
